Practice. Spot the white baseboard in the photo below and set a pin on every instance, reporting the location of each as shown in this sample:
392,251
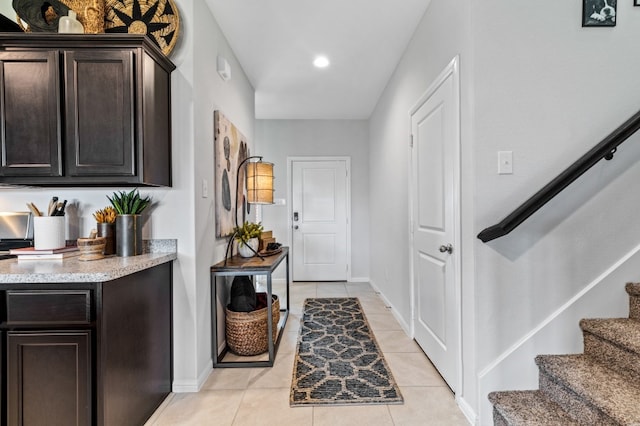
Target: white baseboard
467,410
359,280
406,327
185,386
189,386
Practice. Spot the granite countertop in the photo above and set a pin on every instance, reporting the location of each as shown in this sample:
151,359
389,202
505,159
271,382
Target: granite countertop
72,270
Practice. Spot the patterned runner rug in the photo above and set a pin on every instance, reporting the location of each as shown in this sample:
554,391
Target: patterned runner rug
337,359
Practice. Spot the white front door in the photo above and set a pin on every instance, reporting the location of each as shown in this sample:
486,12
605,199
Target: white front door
435,223
319,213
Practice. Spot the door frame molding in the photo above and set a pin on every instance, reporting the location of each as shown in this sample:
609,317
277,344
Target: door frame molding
451,70
290,161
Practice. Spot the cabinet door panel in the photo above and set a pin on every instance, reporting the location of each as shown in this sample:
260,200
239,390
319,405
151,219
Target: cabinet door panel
49,378
30,114
99,93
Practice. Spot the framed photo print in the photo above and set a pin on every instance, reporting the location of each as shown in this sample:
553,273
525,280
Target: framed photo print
600,13
636,2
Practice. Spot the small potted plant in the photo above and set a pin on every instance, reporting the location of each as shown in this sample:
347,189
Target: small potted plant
129,202
129,207
247,236
106,224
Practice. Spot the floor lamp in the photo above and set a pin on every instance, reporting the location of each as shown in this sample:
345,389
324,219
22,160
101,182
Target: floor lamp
259,181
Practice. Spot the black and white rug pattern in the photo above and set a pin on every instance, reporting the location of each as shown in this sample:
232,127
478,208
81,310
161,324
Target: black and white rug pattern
338,361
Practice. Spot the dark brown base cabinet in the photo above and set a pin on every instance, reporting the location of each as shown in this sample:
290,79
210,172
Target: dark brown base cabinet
84,110
49,378
87,353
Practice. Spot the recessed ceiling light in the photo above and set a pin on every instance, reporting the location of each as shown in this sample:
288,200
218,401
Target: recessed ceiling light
321,62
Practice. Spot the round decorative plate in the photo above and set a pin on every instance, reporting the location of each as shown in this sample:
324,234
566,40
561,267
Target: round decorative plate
158,19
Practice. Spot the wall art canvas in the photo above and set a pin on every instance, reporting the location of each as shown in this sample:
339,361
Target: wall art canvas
230,149
599,13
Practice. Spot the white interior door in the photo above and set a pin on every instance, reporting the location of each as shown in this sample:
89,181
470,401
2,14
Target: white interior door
319,220
435,223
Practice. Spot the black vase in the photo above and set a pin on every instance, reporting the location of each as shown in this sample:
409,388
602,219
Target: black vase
128,235
108,230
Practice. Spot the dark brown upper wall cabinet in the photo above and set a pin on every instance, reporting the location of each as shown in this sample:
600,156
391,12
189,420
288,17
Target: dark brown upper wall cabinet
84,110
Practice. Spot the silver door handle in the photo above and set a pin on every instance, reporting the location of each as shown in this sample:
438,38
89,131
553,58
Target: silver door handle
446,249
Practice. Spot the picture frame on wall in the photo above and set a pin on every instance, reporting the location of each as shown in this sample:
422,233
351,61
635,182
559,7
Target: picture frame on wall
636,2
600,13
230,149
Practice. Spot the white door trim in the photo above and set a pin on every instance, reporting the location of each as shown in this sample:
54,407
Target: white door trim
451,70
290,161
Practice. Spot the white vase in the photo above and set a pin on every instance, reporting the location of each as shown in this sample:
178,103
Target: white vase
245,251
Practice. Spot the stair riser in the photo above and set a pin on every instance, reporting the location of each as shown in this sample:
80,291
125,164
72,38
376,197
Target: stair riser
572,403
498,420
634,307
613,356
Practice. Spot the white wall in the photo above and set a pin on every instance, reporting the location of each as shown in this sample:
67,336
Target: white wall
279,139
549,90
442,34
7,10
180,212
235,99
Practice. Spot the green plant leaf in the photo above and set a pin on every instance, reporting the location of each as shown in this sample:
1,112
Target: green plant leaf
129,202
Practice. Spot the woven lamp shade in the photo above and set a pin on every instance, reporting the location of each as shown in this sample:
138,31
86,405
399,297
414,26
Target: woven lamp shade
260,183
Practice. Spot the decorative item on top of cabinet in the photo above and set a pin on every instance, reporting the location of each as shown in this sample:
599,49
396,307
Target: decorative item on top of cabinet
158,19
90,13
40,15
97,112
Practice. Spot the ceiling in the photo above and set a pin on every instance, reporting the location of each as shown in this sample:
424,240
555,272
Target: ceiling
277,40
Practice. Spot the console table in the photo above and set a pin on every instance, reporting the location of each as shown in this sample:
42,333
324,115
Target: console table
236,266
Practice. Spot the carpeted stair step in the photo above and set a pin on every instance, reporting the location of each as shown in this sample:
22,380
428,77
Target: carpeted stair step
590,392
615,342
633,289
527,408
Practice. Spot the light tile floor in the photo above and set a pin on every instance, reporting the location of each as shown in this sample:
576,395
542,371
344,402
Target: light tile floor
260,396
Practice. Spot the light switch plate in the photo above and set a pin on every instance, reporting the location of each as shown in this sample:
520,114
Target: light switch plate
205,188
505,162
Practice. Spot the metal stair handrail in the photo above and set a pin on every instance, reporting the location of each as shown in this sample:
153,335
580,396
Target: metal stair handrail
605,149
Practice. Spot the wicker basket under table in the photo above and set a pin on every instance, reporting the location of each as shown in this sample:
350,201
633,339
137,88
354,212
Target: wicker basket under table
247,331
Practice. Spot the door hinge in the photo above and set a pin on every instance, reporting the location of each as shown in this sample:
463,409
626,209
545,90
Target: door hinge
411,141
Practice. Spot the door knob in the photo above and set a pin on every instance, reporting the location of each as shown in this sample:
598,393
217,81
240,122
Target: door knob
295,227
446,249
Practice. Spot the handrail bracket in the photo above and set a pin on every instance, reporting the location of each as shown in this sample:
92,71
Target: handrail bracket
609,156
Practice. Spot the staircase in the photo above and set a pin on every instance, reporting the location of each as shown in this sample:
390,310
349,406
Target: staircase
598,387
